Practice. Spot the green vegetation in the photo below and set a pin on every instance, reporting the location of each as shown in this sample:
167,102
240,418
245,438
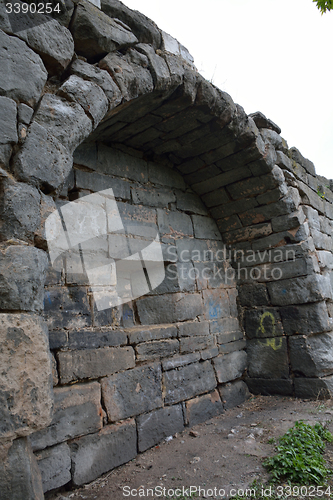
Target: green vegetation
324,5
300,455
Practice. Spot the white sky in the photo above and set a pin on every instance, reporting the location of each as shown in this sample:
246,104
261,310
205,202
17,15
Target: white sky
272,56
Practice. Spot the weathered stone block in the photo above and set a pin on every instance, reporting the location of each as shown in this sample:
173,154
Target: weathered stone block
268,358
224,325
281,387
229,347
8,127
312,356
55,466
188,381
156,349
132,76
20,211
233,394
262,322
155,426
157,66
25,380
295,155
174,223
193,328
205,228
88,339
67,307
227,337
95,34
247,233
77,411
23,73
313,288
196,343
142,334
89,95
230,366
203,408
42,160
319,388
53,42
22,274
153,197
66,121
133,392
216,304
97,182
98,453
262,122
100,77
143,28
190,202
19,474
290,221
177,361
173,307
94,363
305,319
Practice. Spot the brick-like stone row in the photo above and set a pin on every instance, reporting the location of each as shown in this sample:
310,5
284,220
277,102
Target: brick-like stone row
232,205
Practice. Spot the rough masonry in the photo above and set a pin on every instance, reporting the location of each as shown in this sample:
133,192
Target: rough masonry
100,98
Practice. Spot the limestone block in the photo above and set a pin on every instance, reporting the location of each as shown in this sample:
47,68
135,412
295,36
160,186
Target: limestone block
65,121
94,363
89,95
20,211
312,356
233,394
98,453
268,358
24,114
23,74
53,42
25,380
43,160
262,122
295,155
19,474
100,77
95,34
157,65
305,319
188,381
133,392
77,411
159,424
230,366
22,274
55,466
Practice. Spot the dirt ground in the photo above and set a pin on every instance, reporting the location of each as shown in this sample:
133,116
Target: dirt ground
224,453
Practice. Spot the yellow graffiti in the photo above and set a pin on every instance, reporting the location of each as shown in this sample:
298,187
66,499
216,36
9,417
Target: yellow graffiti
272,342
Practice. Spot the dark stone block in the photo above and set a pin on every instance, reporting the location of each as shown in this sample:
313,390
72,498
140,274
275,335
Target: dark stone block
262,322
268,358
305,319
203,408
280,387
233,394
155,426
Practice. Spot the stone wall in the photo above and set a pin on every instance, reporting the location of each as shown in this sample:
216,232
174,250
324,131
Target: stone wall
107,86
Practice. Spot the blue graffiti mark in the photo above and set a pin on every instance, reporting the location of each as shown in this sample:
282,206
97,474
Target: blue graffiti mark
48,298
284,291
214,309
